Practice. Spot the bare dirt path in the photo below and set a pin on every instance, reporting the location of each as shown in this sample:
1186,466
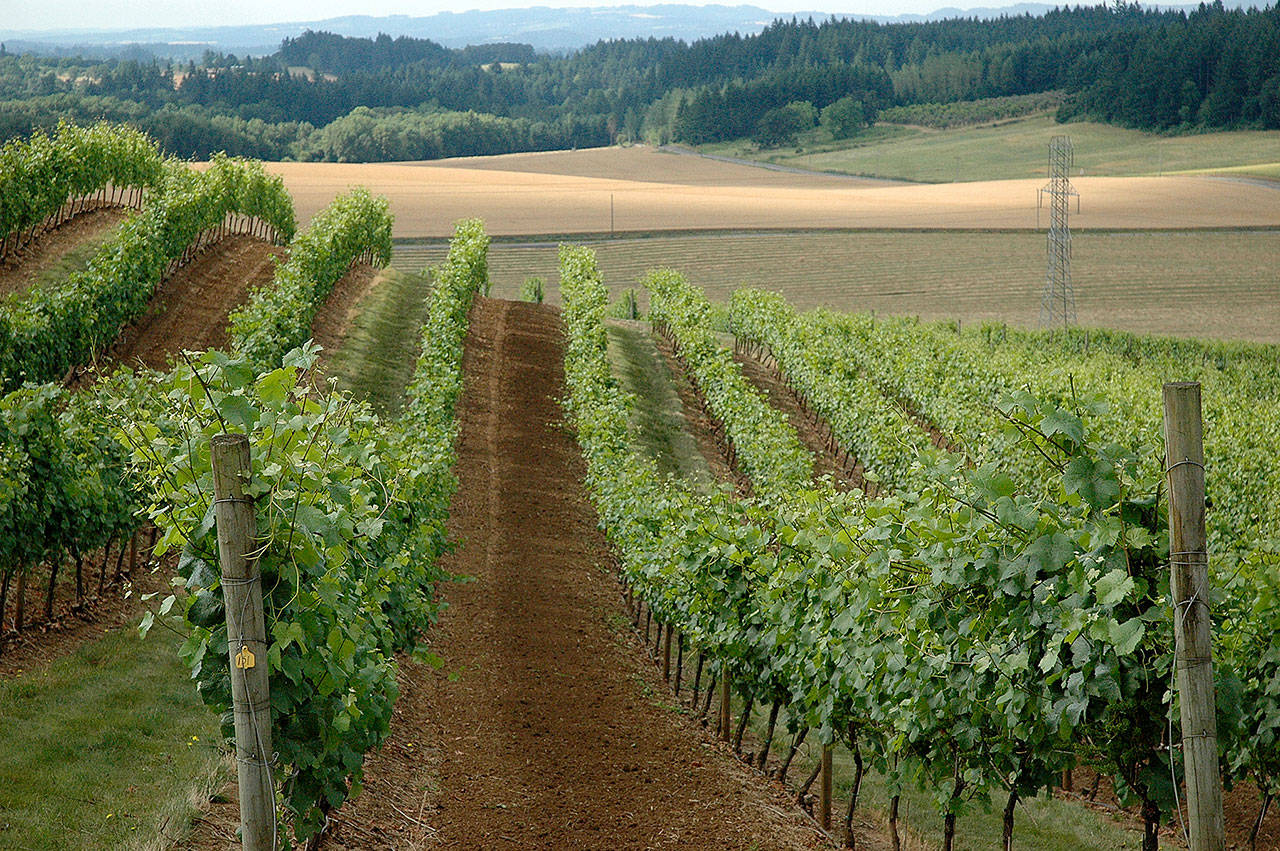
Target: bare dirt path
550,731
334,316
190,310
17,272
813,432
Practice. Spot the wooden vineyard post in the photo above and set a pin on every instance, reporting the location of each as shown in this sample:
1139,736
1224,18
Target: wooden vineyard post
1189,582
725,693
824,790
666,654
246,639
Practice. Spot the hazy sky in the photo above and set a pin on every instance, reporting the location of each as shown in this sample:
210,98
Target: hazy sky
123,14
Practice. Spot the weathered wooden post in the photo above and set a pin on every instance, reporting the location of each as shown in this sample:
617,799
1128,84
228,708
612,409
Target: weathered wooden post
725,694
666,654
824,790
246,639
1193,655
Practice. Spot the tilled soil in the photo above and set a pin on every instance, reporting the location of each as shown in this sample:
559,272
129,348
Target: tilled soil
18,270
706,431
813,432
189,311
334,316
546,729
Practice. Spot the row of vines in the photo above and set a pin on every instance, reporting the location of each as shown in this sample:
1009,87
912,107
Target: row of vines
957,382
48,331
996,613
351,509
49,177
69,495
352,514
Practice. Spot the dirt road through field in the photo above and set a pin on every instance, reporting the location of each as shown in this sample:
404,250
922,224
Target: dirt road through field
546,729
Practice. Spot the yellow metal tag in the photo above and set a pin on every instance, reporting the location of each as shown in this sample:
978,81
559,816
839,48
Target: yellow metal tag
244,659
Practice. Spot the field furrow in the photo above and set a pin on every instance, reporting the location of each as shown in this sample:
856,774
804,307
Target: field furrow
1222,284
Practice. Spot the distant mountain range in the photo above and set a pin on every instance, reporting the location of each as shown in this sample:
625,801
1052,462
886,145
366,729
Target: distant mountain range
547,29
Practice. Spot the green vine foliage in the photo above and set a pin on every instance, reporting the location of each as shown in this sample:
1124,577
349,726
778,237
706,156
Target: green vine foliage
425,436
63,479
47,331
973,632
40,174
862,373
278,317
351,518
765,445
323,481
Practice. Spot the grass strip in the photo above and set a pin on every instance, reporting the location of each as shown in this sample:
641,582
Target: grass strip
376,358
107,747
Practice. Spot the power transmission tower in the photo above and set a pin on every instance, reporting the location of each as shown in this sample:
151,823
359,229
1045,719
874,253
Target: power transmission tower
1058,304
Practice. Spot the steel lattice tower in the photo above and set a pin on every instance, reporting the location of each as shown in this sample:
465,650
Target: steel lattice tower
1058,305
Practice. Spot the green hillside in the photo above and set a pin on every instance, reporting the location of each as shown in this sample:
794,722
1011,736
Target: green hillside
1017,149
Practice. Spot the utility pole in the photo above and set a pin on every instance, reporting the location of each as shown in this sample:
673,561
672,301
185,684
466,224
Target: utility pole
1193,642
237,529
1058,303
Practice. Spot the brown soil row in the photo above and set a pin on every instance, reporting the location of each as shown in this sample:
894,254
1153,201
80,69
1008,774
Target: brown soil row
336,314
547,730
189,311
814,434
19,269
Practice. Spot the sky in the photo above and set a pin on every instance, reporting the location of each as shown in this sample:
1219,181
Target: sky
126,14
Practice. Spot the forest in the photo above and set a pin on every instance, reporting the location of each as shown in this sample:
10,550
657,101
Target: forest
329,97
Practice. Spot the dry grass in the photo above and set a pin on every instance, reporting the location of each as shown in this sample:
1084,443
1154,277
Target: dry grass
570,193
1206,284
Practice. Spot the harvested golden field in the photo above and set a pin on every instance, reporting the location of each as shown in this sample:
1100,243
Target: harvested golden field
571,193
1222,284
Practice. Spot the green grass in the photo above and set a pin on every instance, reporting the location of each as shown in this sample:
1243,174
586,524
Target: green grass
376,358
1019,149
1042,823
657,417
108,747
1201,284
74,260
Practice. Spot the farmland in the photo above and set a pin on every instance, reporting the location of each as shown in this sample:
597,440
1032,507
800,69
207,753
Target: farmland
570,193
1145,282
746,578
1011,150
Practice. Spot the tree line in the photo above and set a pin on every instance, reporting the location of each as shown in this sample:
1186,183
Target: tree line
324,96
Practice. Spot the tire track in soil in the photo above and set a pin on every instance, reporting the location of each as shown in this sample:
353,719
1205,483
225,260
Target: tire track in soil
190,309
551,731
